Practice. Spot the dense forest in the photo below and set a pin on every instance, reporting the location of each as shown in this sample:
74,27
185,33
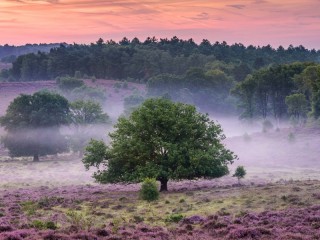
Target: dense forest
9,53
253,82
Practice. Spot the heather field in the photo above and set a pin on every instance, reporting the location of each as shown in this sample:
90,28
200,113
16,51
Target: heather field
57,199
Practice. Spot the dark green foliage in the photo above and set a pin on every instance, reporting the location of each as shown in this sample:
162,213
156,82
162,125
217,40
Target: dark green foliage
87,112
264,92
68,84
88,93
149,190
297,107
84,115
132,102
240,172
44,225
144,59
175,218
267,125
42,109
161,140
32,123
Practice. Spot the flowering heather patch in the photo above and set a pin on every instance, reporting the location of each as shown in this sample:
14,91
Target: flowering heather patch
116,212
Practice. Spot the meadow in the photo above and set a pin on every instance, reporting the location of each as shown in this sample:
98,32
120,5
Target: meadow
56,198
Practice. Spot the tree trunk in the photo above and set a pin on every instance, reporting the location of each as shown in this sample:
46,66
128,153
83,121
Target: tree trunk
36,158
164,185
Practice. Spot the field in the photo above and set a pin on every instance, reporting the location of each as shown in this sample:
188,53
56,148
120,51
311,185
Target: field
57,199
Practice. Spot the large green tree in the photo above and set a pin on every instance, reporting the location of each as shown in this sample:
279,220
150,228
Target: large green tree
162,140
32,123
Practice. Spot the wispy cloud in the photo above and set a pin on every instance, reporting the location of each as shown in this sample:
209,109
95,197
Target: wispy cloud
201,16
237,6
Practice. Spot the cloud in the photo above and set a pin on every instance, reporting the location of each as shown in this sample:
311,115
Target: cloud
260,1
237,6
201,16
34,1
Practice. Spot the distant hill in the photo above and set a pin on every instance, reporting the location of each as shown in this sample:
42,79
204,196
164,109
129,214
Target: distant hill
8,53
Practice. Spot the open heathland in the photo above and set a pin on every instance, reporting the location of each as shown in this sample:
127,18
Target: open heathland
56,198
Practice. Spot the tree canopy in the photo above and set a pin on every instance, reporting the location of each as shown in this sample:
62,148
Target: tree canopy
162,140
32,123
84,115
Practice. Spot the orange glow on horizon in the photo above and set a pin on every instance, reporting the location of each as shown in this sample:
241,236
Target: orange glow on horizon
257,22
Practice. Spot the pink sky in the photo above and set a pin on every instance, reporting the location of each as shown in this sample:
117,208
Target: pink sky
257,22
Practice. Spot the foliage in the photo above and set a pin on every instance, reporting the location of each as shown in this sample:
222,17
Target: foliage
297,107
132,102
79,220
87,112
68,84
240,172
263,93
38,224
87,93
141,60
84,115
267,125
161,140
149,190
32,123
174,218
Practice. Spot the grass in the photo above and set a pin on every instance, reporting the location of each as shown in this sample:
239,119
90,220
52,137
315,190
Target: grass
125,208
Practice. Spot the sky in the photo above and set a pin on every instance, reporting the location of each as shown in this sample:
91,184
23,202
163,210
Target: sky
256,22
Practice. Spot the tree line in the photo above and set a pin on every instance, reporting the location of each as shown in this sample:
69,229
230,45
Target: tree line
137,60
9,53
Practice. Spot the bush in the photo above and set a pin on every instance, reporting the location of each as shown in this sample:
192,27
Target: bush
69,83
239,173
38,224
174,218
149,190
267,126
291,137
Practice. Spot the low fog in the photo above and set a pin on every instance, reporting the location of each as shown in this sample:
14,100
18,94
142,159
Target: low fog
267,156
282,153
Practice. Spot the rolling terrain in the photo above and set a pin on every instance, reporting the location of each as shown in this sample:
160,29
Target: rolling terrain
57,199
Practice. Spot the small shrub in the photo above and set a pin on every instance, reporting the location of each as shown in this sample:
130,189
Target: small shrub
149,190
291,137
125,85
174,218
182,200
117,85
69,83
79,220
38,224
138,219
29,207
267,126
51,225
239,173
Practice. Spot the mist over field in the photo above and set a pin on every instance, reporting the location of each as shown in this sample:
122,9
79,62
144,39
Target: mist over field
52,188
268,156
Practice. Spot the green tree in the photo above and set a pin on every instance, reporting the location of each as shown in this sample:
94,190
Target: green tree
68,84
132,102
239,173
297,107
161,140
83,115
32,123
